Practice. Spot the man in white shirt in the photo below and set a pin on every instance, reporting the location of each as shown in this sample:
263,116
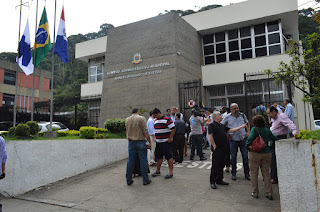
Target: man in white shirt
151,130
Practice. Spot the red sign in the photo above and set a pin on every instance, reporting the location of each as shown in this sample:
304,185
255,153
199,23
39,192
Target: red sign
191,103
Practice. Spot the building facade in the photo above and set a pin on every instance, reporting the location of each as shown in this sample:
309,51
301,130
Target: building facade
151,63
25,83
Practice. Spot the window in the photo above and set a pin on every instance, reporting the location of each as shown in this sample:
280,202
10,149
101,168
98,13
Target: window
247,42
267,36
9,77
8,100
96,73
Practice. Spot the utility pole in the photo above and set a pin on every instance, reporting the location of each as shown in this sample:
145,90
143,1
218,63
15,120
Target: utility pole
17,66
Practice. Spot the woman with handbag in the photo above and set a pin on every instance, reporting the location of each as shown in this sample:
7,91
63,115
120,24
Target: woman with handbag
260,155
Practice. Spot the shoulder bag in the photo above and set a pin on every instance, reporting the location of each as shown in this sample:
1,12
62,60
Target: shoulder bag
258,144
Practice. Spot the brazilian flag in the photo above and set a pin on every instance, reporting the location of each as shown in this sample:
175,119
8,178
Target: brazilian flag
43,42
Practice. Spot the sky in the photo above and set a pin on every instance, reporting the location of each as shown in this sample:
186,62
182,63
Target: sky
87,16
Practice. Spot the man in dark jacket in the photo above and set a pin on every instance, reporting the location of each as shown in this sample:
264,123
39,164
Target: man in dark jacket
178,139
218,139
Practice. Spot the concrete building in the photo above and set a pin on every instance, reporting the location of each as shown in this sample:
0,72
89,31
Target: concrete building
215,57
24,95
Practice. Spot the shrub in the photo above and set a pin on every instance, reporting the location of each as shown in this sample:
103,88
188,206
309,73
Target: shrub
12,131
99,136
102,131
88,132
22,130
40,134
307,134
5,133
62,133
54,129
74,133
115,125
34,127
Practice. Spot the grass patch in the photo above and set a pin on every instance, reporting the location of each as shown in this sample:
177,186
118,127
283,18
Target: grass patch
116,135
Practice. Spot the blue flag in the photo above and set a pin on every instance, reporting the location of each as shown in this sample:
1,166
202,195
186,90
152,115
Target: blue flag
61,46
25,56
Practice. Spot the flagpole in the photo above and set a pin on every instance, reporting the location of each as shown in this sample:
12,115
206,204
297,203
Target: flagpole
34,59
52,68
16,92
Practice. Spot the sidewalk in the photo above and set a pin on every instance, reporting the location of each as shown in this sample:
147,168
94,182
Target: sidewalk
105,189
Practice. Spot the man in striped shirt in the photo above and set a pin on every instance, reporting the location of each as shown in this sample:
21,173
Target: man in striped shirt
164,130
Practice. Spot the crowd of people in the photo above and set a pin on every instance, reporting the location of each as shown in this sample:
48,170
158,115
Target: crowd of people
165,136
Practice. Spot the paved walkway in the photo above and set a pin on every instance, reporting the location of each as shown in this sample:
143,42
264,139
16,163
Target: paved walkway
105,189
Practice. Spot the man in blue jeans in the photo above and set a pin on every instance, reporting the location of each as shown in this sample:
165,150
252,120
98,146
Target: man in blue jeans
137,132
231,121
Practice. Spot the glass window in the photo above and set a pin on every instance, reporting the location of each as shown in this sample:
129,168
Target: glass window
237,44
99,69
259,29
221,58
217,91
234,56
261,51
246,43
208,39
218,102
209,60
245,32
208,49
274,38
99,77
8,100
261,40
246,54
235,89
274,50
233,34
9,77
220,36
273,26
233,45
221,47
93,70
96,73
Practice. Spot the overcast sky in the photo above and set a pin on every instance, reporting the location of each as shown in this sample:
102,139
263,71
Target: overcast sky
87,16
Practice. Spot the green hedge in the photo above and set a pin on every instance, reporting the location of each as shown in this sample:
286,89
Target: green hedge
22,130
74,132
115,125
88,132
12,131
5,133
34,127
308,135
63,133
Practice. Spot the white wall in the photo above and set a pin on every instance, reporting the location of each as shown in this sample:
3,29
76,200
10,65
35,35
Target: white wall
298,164
36,163
91,90
91,49
232,72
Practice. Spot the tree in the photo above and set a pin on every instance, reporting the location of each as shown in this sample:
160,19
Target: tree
307,25
188,12
303,71
8,56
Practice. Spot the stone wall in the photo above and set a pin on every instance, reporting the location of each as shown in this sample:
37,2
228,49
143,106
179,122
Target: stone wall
298,164
36,163
162,39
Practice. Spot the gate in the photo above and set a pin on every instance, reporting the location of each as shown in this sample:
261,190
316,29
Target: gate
261,88
189,90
